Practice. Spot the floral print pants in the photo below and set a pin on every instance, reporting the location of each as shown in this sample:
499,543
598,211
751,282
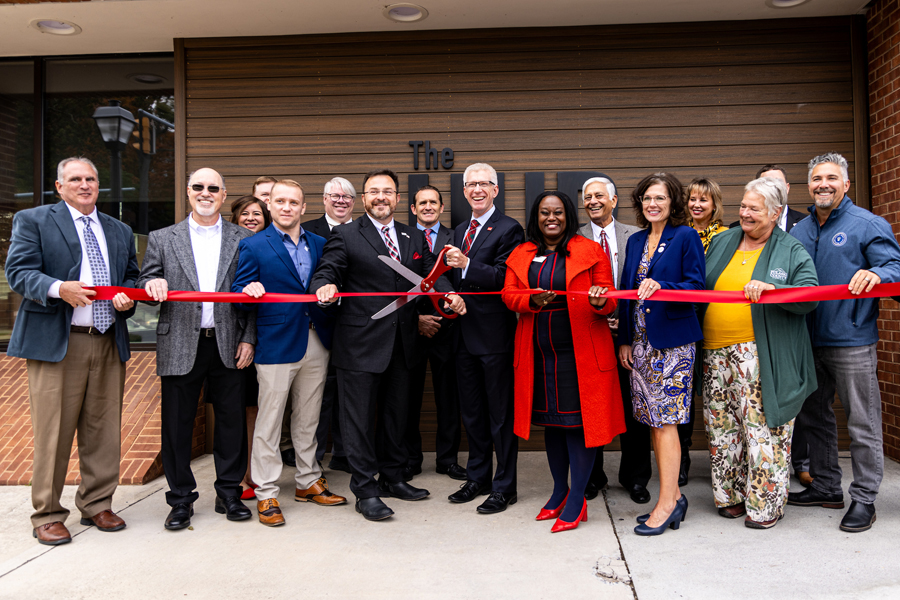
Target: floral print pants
750,461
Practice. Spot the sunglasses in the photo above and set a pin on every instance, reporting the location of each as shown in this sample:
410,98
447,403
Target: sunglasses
213,189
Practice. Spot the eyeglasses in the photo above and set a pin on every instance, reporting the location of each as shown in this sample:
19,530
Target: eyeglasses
471,185
336,197
199,187
376,193
656,199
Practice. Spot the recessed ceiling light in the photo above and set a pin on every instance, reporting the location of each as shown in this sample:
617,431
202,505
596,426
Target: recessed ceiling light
404,12
146,78
55,27
785,3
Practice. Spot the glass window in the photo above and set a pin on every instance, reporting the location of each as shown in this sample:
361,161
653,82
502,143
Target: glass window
16,169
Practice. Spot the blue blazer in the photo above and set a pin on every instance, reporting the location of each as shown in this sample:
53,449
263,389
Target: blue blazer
282,328
44,247
677,264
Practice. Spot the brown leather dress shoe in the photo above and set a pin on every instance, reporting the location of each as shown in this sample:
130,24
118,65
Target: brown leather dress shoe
52,534
319,494
269,512
105,521
735,511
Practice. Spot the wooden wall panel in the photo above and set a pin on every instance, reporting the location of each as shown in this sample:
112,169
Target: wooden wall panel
698,99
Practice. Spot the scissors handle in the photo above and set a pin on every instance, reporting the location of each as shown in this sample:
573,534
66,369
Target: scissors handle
427,285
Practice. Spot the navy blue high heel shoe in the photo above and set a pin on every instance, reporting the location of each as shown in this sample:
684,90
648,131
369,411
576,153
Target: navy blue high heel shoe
674,520
682,500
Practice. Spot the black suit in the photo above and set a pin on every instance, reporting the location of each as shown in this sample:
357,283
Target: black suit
373,357
483,342
437,350
328,417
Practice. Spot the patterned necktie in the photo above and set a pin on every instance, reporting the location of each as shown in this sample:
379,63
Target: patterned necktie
102,309
470,235
428,238
604,243
392,249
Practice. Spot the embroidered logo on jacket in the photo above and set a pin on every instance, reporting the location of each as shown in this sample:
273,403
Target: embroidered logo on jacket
839,239
778,273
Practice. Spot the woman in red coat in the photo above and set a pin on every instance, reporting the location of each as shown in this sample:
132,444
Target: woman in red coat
567,383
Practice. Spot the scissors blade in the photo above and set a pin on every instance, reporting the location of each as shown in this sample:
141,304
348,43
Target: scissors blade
396,303
409,274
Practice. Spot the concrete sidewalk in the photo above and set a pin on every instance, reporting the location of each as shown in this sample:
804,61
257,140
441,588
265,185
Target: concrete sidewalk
434,549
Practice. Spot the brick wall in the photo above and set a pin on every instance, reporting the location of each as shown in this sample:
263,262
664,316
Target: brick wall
884,131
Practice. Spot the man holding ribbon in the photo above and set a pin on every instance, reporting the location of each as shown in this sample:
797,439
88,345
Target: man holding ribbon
373,357
76,348
847,243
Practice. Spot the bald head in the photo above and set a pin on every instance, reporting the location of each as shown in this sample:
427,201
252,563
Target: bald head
206,193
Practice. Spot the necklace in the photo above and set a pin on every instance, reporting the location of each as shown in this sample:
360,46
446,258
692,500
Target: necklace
744,254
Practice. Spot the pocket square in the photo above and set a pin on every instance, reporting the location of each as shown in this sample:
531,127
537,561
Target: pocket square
416,256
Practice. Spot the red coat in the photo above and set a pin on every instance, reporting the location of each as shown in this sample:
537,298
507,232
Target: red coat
595,359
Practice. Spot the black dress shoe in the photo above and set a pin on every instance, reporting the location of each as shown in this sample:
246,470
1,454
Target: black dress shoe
813,497
468,492
180,516
373,509
411,471
497,502
638,493
859,517
401,490
453,471
339,463
685,467
232,508
289,457
593,489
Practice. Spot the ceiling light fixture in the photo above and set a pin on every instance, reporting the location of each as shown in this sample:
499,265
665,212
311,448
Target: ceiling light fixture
785,3
55,27
404,12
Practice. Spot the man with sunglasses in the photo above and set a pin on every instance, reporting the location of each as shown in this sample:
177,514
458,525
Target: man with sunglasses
373,357
338,197
484,343
200,342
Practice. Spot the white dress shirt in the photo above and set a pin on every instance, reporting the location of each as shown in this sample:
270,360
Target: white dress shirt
392,231
782,218
613,245
482,221
206,243
332,223
83,316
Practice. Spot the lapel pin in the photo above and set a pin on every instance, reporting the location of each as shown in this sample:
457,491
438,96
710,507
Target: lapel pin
490,228
404,234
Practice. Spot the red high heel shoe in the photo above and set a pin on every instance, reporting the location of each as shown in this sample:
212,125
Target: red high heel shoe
547,514
561,525
249,494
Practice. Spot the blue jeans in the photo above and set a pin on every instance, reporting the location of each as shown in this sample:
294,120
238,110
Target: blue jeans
852,372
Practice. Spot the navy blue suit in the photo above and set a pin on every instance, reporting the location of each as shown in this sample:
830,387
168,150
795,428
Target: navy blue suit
677,264
483,342
282,328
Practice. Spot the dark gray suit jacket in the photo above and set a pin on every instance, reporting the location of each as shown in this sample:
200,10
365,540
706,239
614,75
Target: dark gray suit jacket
44,247
623,232
170,256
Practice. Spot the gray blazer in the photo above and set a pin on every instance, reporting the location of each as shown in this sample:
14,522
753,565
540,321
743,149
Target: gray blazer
623,232
170,256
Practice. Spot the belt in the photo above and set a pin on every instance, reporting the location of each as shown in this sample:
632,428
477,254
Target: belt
210,332
90,330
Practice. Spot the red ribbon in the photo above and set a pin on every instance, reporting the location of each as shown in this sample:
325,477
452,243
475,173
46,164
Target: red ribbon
780,296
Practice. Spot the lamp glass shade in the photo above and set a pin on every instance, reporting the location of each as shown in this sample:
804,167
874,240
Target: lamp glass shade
115,123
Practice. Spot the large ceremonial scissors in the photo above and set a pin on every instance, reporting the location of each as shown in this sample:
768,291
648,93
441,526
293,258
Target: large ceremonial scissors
422,285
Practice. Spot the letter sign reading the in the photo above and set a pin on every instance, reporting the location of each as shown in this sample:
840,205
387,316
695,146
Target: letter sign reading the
431,155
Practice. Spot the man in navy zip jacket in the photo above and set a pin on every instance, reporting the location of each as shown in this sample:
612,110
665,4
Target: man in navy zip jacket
847,244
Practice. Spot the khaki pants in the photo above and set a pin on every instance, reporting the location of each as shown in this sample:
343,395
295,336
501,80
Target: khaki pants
301,383
82,392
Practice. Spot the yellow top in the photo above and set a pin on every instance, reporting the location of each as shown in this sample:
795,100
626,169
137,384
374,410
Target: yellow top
728,324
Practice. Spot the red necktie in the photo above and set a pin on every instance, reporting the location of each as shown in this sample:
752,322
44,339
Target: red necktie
392,249
605,245
470,235
428,239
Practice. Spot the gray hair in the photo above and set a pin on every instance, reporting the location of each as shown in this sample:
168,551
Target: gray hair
610,186
62,166
771,189
830,157
343,184
192,173
480,167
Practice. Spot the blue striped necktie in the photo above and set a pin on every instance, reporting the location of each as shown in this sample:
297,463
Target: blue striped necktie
102,309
